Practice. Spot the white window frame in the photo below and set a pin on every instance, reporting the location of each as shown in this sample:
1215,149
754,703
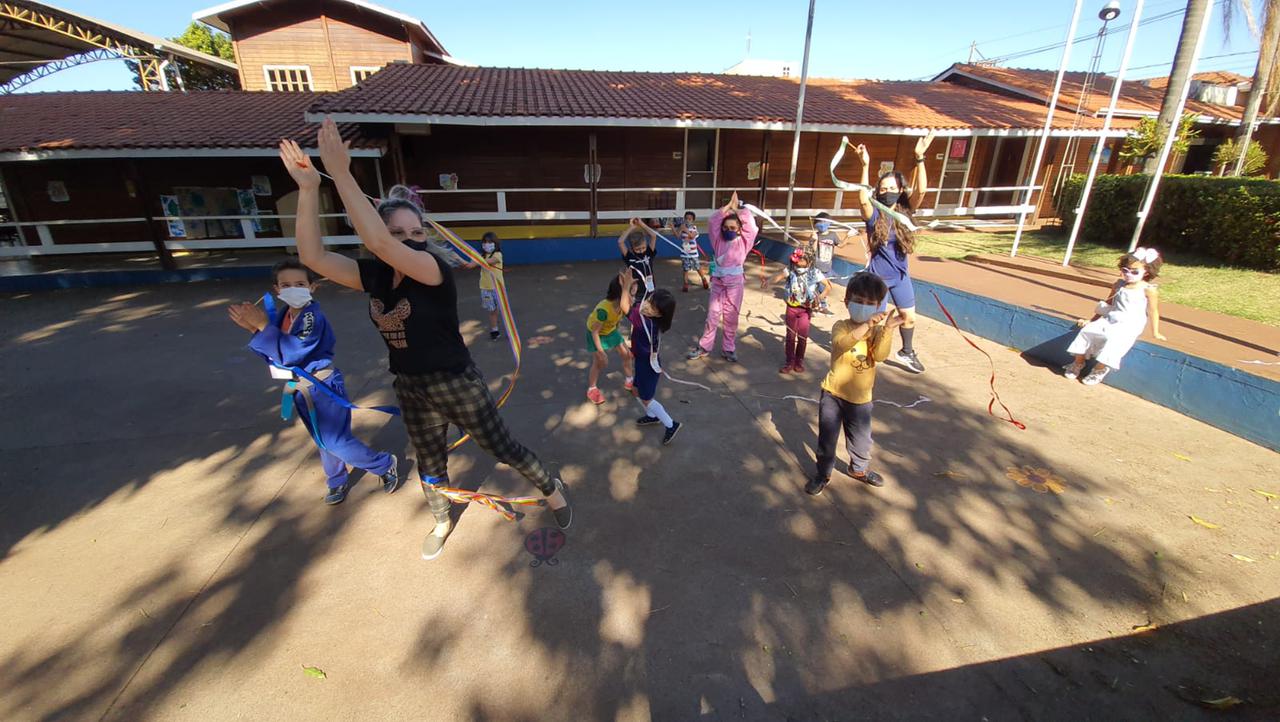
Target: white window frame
370,69
266,76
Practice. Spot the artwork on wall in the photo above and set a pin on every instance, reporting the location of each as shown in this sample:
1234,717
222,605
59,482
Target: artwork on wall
58,191
170,207
753,170
448,181
249,206
261,185
886,166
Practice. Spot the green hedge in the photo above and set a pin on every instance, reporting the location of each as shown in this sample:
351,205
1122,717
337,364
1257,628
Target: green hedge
1235,220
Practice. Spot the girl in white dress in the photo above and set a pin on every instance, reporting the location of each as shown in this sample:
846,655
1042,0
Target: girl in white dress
1120,319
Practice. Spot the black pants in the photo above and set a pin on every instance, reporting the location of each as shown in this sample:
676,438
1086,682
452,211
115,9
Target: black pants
834,414
430,402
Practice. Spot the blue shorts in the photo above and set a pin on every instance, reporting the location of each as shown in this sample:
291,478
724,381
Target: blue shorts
646,381
489,299
901,293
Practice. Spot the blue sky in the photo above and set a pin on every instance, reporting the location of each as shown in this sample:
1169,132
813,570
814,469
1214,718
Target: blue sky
666,35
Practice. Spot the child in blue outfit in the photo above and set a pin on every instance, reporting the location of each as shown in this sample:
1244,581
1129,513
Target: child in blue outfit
296,334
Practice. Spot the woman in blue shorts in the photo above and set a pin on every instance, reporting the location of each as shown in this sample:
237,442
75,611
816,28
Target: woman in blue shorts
890,243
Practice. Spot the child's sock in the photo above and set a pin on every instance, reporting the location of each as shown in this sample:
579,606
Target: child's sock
656,411
907,335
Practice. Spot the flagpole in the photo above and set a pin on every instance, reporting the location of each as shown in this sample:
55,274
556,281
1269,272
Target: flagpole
1106,127
795,144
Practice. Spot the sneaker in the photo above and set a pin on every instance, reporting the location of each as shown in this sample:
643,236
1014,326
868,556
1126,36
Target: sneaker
671,432
869,477
494,334
337,494
910,361
785,369
686,288
647,421
629,383
563,515
595,396
706,285
826,311
798,367
1096,376
696,353
1072,370
391,478
815,486
433,545
729,356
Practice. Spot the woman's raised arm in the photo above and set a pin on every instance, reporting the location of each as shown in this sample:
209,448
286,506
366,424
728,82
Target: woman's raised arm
421,267
333,266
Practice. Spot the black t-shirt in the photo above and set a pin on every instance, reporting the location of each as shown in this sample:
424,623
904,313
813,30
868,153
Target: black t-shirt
641,263
418,322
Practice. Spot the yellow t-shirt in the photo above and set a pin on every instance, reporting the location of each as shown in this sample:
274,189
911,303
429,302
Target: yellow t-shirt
604,318
853,367
486,279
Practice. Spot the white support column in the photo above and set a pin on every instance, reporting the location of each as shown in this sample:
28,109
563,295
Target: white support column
377,171
1102,141
1048,124
46,238
246,226
1170,136
715,169
502,201
839,200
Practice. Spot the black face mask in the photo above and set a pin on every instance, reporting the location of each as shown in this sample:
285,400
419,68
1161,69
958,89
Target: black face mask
417,245
889,199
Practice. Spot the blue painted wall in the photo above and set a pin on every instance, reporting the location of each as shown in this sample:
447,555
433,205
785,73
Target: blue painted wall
1232,400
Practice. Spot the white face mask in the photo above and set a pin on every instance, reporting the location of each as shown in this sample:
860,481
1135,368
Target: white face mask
295,296
487,247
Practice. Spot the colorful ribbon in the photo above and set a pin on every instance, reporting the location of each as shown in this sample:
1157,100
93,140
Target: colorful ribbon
497,502
871,192
995,395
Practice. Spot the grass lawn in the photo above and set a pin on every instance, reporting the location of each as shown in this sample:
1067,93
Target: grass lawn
1185,279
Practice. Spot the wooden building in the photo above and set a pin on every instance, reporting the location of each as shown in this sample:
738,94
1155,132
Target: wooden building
319,45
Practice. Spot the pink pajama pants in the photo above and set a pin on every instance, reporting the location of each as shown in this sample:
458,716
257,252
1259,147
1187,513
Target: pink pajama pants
726,303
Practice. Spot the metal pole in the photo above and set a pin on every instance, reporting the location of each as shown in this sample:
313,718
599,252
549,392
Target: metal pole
1048,123
795,144
1106,126
1170,136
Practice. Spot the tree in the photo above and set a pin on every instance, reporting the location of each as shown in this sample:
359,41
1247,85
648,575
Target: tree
1144,143
197,76
1183,59
1227,157
1266,82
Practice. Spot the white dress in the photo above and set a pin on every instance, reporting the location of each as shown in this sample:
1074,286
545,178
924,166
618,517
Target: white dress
1121,323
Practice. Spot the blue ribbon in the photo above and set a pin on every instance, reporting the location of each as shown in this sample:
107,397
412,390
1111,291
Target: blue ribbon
286,409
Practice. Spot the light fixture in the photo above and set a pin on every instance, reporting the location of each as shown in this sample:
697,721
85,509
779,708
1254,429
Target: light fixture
1110,11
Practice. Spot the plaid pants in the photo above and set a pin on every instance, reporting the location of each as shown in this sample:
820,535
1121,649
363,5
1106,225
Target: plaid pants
430,402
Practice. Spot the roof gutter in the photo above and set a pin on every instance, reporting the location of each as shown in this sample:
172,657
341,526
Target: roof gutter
561,121
38,154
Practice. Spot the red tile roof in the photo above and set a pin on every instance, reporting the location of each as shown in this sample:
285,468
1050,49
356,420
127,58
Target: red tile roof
1213,77
470,92
124,119
1134,96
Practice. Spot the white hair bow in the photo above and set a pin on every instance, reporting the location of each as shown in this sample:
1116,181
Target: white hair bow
1146,255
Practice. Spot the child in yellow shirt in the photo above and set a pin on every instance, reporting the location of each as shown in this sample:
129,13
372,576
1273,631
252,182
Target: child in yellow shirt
603,335
857,347
491,250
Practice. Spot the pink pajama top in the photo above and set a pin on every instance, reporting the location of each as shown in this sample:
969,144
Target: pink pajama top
730,255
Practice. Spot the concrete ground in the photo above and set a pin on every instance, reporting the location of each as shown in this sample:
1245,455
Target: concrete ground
164,552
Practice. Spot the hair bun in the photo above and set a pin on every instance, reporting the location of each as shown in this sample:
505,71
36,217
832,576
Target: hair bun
401,192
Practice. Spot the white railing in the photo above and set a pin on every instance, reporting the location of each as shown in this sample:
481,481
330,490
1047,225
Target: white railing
250,238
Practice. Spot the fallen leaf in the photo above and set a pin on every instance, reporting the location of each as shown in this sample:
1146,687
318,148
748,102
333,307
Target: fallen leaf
1184,598
1222,702
919,565
1148,627
951,474
1181,457
315,672
1202,522
957,600
1266,494
1243,558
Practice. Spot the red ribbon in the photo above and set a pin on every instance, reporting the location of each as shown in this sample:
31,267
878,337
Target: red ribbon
995,395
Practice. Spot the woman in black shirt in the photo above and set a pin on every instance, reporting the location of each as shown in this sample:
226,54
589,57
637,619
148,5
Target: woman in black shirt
413,302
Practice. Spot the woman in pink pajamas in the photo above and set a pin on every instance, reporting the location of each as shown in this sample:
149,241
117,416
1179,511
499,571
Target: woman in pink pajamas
733,233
